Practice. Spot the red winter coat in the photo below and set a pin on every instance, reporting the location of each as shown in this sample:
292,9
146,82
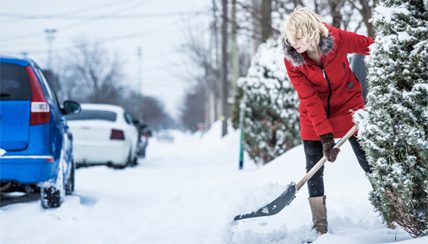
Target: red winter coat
327,98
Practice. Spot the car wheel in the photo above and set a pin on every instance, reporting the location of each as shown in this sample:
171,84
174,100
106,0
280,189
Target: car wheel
69,187
50,197
52,192
139,149
135,161
132,161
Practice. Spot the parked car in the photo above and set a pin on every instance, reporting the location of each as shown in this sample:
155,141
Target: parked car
143,136
144,143
35,138
164,135
360,70
103,134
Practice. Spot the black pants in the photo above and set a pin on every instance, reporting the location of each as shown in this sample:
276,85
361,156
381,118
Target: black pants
313,152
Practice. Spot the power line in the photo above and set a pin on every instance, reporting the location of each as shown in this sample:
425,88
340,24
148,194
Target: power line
85,22
100,16
113,38
98,7
76,24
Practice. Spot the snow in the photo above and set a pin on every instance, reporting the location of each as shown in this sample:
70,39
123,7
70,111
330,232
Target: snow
387,13
190,190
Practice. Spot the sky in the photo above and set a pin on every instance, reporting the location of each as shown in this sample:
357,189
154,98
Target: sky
158,27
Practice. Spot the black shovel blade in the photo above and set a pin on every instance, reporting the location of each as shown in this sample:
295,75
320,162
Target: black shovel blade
274,207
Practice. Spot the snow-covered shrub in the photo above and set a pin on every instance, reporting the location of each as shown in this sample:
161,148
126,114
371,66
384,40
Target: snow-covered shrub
270,105
395,132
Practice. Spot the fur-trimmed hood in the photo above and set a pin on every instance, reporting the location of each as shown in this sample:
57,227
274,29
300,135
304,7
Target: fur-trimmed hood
327,93
297,59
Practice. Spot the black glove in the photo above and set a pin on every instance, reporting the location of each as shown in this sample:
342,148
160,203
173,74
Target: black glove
327,141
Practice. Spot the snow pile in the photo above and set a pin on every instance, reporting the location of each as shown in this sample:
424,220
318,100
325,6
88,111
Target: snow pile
190,190
2,152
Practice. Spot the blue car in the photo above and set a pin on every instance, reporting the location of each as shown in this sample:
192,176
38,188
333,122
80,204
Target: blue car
35,142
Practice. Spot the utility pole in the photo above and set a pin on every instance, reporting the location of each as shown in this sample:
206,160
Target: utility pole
140,80
217,92
256,26
235,76
50,38
224,95
235,51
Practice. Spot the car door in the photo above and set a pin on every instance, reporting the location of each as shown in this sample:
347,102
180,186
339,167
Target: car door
64,136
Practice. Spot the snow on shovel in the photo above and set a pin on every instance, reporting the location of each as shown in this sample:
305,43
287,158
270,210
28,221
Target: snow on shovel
290,193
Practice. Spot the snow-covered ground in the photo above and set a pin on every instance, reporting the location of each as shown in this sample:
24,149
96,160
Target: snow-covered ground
190,190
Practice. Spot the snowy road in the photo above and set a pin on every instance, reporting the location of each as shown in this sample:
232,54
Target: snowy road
189,191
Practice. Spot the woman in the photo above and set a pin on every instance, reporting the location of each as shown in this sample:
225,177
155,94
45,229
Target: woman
318,68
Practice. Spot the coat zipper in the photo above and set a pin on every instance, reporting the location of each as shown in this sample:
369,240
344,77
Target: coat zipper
329,88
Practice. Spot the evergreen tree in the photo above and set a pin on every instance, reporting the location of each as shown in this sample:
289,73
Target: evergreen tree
395,132
270,105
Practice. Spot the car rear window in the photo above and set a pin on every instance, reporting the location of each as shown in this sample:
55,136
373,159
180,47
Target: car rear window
15,83
93,115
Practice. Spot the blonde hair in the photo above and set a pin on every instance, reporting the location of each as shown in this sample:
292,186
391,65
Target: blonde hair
306,23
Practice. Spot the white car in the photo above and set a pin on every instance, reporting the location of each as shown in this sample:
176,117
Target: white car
164,135
103,134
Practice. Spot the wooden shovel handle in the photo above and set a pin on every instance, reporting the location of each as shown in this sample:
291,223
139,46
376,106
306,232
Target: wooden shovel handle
324,159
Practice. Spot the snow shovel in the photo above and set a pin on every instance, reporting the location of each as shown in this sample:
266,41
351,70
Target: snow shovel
290,193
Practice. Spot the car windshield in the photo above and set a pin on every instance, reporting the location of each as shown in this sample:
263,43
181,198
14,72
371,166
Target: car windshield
93,115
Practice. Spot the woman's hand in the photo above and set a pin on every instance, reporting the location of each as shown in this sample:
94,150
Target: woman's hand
327,141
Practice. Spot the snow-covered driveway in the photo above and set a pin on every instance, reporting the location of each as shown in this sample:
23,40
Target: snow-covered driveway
189,191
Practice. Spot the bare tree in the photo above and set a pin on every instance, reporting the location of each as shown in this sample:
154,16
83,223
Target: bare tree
193,110
205,71
201,55
70,84
336,15
153,111
266,19
255,21
91,74
99,73
365,9
256,12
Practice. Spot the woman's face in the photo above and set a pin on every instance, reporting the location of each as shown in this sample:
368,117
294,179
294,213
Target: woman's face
300,45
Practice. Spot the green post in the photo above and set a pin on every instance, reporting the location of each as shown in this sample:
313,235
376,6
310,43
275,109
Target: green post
241,148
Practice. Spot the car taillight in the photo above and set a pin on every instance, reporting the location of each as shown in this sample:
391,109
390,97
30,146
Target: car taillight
40,110
117,135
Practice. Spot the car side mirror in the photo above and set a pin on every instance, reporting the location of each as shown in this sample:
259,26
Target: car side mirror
71,107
